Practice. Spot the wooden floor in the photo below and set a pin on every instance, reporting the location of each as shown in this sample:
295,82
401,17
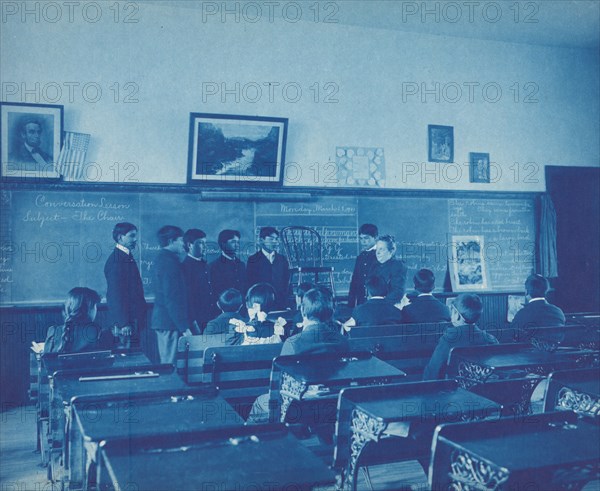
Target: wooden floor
20,468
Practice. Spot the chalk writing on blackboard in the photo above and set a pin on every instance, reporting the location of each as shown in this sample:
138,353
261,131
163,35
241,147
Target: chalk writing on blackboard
509,231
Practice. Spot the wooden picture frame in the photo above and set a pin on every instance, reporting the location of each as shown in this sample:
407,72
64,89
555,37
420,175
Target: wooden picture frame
30,140
440,143
479,167
235,149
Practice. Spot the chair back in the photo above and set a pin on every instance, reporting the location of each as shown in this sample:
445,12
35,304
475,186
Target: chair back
302,246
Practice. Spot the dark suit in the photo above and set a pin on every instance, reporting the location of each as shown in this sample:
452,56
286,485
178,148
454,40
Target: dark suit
221,325
538,314
22,155
195,272
377,312
227,273
170,315
364,262
393,273
466,335
170,300
425,308
316,339
124,291
260,270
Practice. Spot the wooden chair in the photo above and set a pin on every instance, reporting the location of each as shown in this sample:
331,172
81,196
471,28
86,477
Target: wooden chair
304,251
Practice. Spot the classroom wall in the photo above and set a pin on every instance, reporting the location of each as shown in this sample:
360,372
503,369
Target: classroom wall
153,72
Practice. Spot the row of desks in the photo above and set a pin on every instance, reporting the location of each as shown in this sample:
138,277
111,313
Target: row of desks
146,409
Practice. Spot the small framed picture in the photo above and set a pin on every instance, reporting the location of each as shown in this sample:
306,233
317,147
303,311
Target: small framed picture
30,140
236,149
479,167
441,143
468,268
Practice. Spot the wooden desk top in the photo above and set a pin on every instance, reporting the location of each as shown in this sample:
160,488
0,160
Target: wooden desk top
168,412
421,401
344,371
535,447
522,357
119,360
258,460
67,388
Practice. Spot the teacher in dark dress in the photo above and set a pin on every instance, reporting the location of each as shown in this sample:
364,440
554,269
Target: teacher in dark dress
391,270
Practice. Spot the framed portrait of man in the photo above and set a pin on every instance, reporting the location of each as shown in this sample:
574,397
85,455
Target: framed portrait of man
479,167
440,145
30,140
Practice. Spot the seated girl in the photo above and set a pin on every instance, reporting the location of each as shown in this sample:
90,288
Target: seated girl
260,299
79,332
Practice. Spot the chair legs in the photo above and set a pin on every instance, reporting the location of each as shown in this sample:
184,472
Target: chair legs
315,278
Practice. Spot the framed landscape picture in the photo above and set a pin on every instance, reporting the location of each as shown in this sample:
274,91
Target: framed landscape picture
236,149
30,140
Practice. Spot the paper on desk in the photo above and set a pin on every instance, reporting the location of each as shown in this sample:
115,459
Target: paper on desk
37,347
399,428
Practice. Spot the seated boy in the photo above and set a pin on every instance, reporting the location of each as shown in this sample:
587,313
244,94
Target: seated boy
377,311
230,303
318,334
425,307
464,313
317,337
537,312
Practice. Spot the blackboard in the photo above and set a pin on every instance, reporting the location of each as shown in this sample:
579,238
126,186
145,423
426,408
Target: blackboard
53,240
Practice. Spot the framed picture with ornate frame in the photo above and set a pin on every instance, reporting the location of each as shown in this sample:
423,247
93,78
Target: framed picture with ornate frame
30,140
230,149
479,167
440,143
468,270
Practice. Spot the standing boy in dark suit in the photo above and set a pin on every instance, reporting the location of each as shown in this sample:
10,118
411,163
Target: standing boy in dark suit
195,271
425,307
537,312
170,315
268,266
124,290
228,271
367,237
464,313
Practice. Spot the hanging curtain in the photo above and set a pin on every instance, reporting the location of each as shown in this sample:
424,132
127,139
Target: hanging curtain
547,257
